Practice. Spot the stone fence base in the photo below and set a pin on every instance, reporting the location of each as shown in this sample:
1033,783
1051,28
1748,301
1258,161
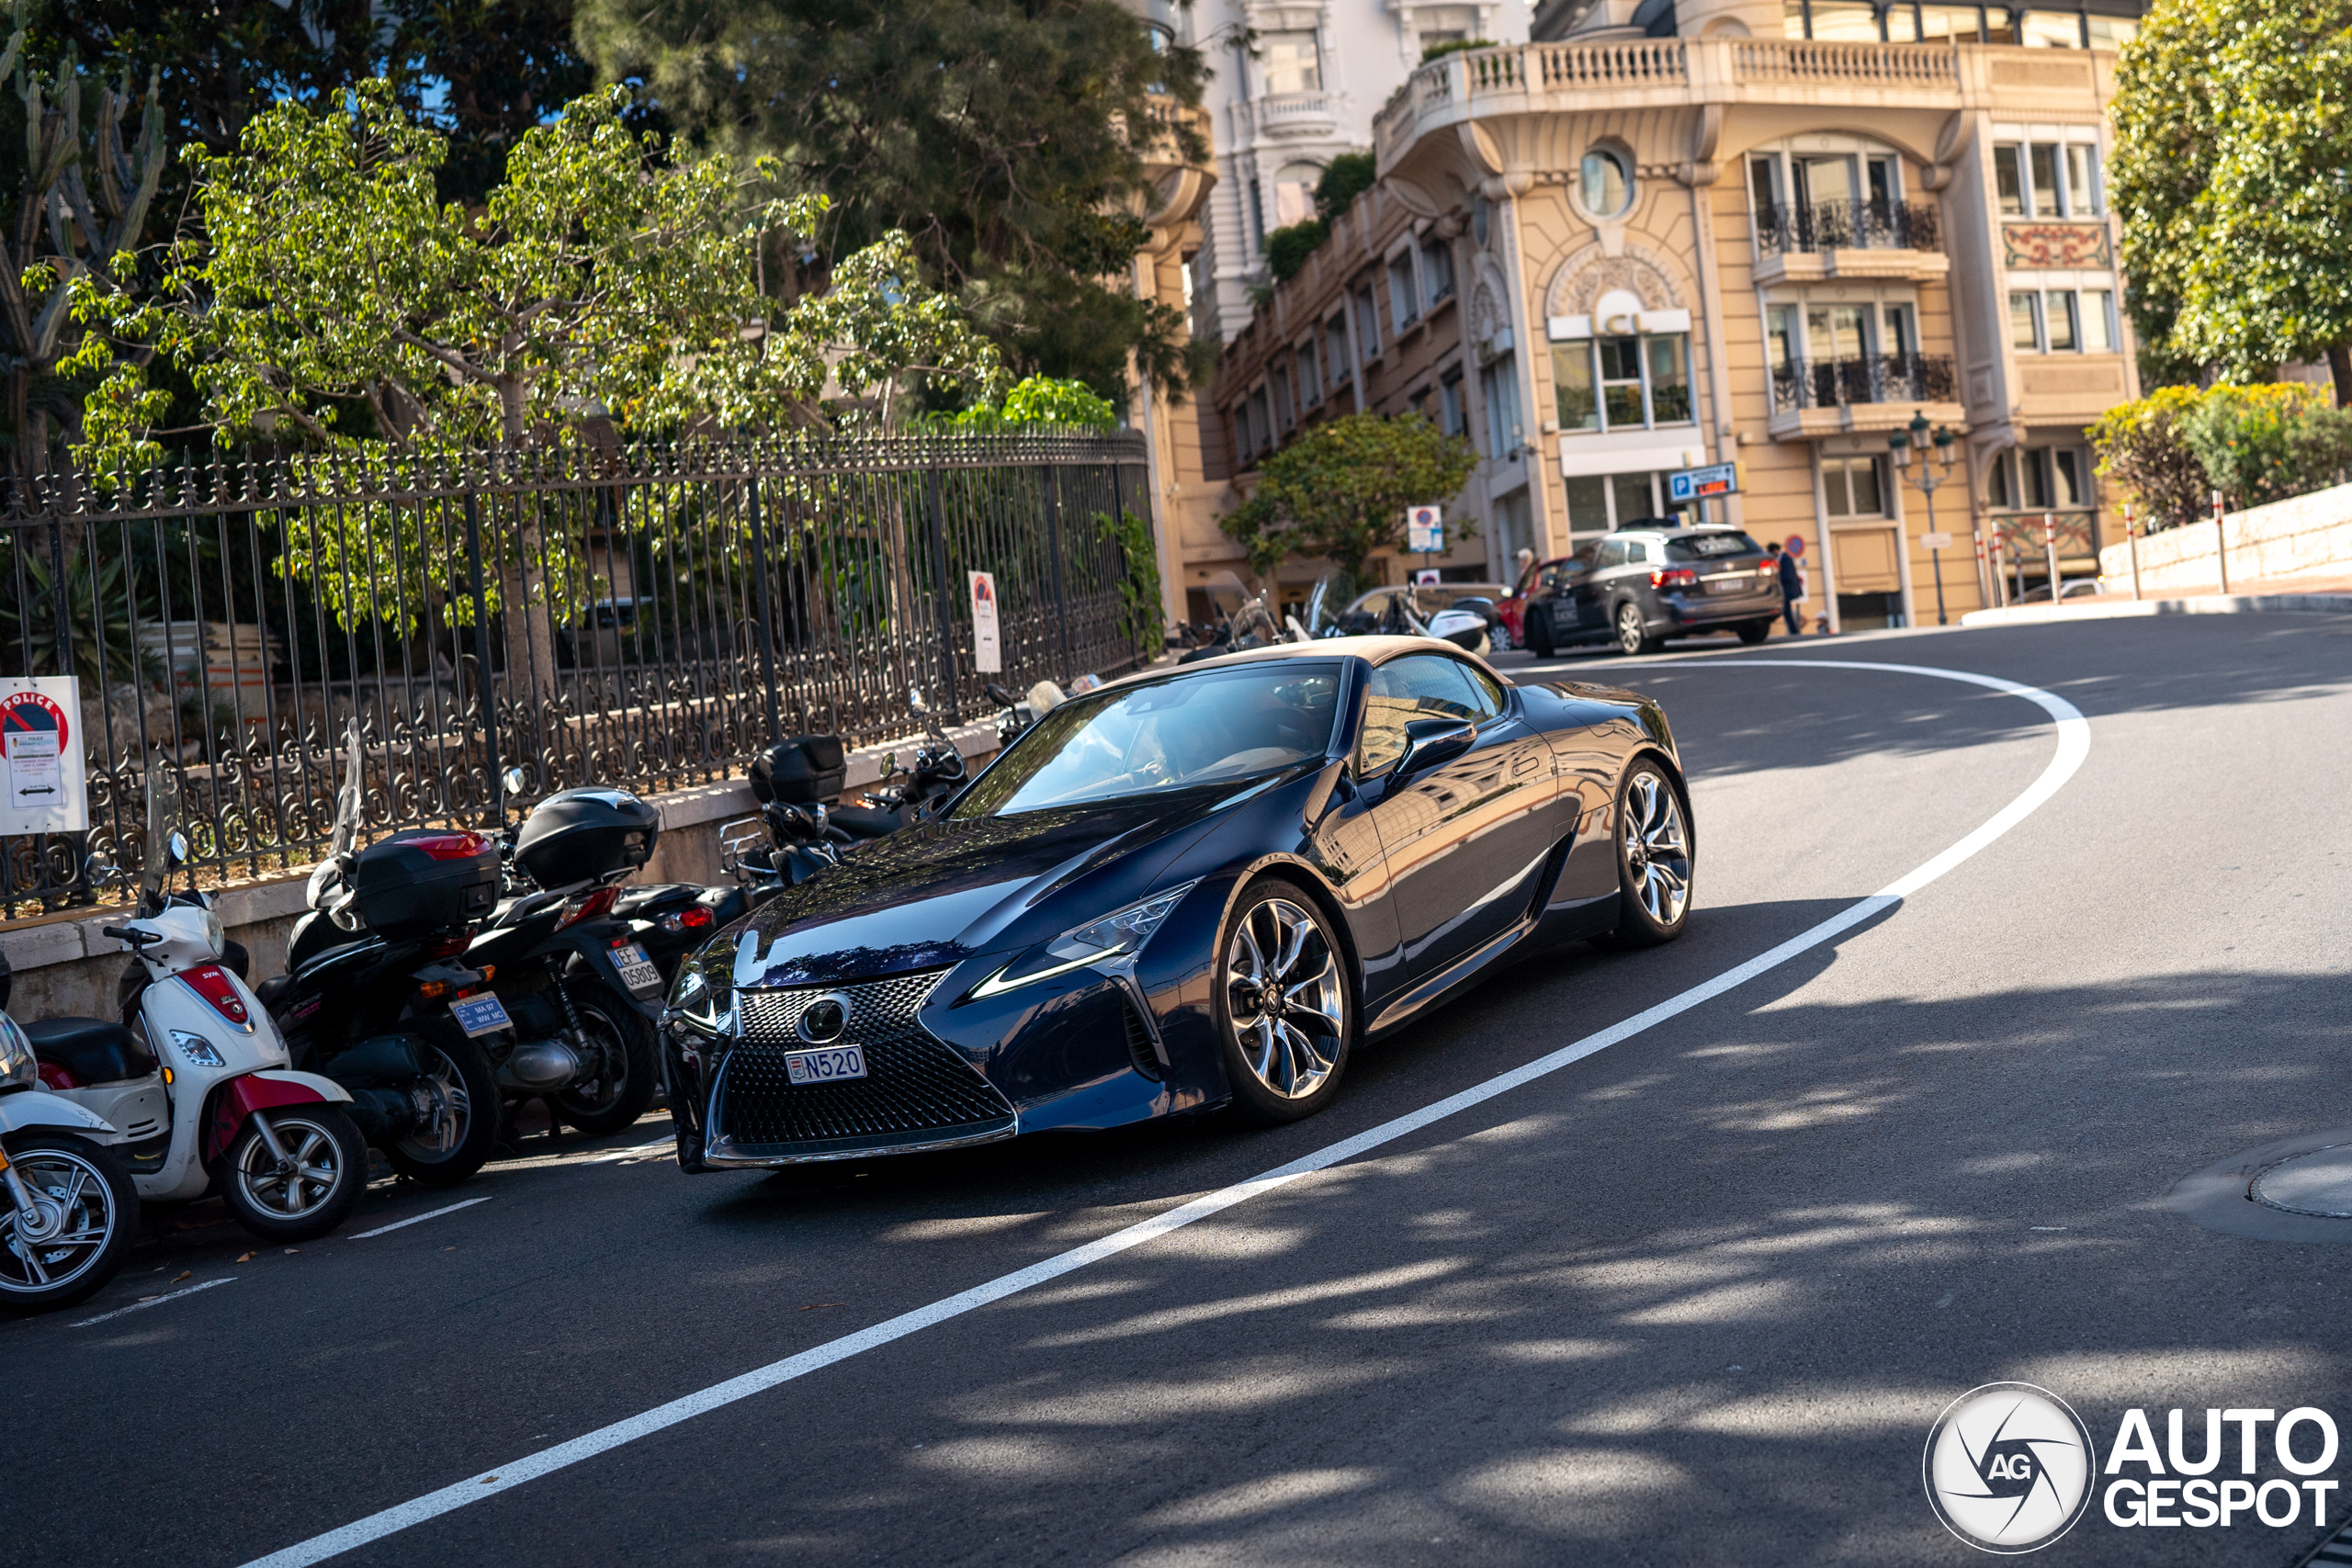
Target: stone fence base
2304,536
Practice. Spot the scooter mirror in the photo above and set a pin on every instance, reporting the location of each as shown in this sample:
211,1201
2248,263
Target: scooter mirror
177,848
98,868
889,763
915,702
515,780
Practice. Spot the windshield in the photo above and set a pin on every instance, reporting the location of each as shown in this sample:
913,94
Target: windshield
1212,727
1708,546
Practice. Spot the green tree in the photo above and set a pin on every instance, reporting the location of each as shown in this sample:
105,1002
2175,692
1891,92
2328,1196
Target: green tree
1006,138
2233,171
1041,399
1340,490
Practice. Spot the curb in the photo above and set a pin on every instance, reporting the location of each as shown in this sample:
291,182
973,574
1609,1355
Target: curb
2204,604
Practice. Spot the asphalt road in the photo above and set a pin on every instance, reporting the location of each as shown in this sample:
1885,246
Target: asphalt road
1695,1299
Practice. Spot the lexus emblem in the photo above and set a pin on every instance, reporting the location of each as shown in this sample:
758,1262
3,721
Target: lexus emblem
822,1023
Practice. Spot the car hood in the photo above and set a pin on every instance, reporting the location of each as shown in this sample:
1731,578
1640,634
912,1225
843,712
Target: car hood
937,894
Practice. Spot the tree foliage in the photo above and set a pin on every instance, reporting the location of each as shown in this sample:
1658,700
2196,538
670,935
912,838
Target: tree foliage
1007,140
2172,449
1340,490
2233,171
1041,401
329,297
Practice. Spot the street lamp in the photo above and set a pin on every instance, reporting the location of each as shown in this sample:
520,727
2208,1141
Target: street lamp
1928,480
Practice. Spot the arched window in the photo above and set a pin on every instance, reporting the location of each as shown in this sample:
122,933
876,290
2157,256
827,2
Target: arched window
1605,183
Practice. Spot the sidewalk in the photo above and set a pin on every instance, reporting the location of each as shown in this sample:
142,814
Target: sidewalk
2322,594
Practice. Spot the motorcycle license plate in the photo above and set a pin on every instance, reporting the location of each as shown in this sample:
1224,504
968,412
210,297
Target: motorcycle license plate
481,1015
830,1064
636,970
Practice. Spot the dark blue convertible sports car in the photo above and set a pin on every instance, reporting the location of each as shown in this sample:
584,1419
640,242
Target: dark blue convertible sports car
1193,888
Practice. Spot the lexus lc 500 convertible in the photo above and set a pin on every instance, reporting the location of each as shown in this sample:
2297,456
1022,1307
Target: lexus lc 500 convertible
1187,889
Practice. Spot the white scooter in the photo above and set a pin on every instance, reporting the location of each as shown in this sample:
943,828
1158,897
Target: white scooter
67,1207
199,1091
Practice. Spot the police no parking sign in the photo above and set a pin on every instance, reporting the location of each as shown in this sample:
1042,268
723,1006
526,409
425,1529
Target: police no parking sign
47,790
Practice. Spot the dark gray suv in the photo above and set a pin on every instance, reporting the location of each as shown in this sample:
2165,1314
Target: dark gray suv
1642,585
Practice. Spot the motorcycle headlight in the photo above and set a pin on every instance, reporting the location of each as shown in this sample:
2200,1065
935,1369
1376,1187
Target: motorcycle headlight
1119,934
17,1064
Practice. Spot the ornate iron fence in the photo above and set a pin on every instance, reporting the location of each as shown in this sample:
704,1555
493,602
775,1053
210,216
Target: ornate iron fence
1877,224
1882,379
646,617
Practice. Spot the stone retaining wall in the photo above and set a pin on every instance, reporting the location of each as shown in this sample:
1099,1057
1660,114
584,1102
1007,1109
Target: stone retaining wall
2304,536
63,967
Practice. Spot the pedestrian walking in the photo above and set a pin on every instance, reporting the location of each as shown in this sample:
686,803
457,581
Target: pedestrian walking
1791,587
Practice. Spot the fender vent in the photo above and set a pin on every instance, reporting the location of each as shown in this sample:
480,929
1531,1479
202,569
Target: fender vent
1139,1051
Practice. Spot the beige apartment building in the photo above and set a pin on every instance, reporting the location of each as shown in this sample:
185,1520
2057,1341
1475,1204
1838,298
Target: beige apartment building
1736,231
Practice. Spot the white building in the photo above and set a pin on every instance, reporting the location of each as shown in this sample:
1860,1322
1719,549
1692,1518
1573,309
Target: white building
1295,85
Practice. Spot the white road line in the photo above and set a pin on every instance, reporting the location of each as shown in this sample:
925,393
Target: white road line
152,1301
664,1141
2073,744
418,1219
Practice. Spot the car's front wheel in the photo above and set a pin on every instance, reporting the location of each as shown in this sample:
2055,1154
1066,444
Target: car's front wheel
1633,638
1654,859
1283,1001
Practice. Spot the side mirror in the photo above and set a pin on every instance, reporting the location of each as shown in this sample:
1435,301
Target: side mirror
997,695
514,781
1429,741
889,763
176,849
914,700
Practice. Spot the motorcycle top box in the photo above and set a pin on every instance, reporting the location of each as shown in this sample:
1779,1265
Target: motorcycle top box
586,835
424,879
801,770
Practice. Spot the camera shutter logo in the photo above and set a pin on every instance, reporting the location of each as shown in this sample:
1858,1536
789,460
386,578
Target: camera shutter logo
2008,1467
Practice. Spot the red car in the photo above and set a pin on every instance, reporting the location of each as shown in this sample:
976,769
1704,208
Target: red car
1514,605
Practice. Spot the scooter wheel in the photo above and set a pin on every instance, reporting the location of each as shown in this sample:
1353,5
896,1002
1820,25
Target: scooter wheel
467,1102
316,1186
620,1092
88,1210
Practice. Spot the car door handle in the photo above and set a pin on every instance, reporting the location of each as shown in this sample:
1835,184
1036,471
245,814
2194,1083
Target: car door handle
1524,763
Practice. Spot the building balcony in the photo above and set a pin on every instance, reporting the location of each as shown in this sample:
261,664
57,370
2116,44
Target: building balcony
1301,115
1844,397
1879,241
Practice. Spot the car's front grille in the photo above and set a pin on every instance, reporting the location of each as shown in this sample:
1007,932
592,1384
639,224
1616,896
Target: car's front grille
918,1090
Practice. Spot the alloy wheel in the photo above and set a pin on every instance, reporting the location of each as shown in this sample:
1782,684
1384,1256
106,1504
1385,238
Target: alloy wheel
1286,999
1630,636
445,1110
75,1206
1657,847
298,1186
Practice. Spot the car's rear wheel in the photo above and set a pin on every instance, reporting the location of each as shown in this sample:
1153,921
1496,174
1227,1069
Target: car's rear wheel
1282,1004
1753,632
1634,638
1655,854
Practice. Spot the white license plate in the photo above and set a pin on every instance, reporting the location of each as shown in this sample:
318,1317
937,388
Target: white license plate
1729,584
636,971
481,1015
830,1064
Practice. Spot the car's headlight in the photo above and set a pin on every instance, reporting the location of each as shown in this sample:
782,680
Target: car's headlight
17,1064
1119,934
702,1007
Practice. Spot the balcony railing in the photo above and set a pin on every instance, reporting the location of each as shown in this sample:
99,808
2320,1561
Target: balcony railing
1882,379
1783,227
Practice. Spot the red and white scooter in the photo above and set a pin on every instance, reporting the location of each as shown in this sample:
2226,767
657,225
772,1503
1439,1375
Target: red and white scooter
199,1087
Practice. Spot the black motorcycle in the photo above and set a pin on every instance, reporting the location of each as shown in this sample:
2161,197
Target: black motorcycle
574,989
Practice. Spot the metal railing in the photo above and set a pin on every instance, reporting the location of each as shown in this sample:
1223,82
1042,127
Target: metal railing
1783,227
648,618
1881,379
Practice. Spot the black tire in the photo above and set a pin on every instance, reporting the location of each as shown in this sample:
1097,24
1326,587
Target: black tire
1539,635
1753,632
1281,1070
1656,853
328,1172
465,1094
92,1189
620,1033
1632,638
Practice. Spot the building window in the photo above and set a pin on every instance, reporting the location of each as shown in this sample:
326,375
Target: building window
1498,389
1622,383
1283,416
1954,24
2039,478
1336,358
1257,215
1450,404
1599,503
1851,487
1291,63
1403,300
2025,323
2053,29
2098,320
1437,271
1310,380
2112,32
1605,183
1367,322
1294,194
1847,21
2058,321
1781,337
1261,429
1242,450
2047,179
